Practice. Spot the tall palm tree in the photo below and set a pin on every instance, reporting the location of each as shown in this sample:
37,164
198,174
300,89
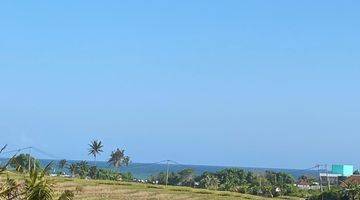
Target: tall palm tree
95,148
118,158
62,164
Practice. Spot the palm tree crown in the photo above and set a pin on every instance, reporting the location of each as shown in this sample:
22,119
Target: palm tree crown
118,158
62,163
73,168
95,148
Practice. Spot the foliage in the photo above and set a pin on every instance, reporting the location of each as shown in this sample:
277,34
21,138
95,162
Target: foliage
62,163
279,178
173,178
83,169
118,158
209,181
21,162
67,195
107,174
37,186
95,148
127,176
269,184
74,168
334,194
186,177
231,178
348,191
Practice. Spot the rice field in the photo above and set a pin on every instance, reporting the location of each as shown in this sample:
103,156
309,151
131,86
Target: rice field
111,190
117,190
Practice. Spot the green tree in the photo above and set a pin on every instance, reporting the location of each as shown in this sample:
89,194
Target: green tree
83,168
231,178
21,162
73,168
127,176
186,177
93,172
210,182
95,148
62,163
118,158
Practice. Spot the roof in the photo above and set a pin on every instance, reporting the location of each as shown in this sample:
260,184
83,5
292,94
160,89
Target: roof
354,179
329,175
303,182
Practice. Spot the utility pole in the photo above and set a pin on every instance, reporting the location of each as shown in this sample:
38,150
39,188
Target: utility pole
167,172
321,188
327,177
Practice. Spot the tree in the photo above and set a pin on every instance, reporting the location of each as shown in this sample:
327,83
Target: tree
186,177
173,178
62,164
22,161
352,191
73,168
210,182
83,168
93,172
118,158
95,148
231,178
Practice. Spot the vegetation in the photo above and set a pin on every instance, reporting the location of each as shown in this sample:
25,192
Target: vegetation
95,148
62,164
118,158
32,181
116,190
346,192
269,184
24,162
35,186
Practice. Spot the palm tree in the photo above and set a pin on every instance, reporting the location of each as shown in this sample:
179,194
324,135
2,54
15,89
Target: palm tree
83,168
73,168
62,164
95,148
118,158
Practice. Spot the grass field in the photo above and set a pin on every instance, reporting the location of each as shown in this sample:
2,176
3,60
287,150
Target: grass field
111,190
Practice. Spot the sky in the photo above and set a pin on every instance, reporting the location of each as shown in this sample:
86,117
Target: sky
233,83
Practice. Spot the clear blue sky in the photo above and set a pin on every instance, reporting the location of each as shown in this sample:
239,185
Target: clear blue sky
245,83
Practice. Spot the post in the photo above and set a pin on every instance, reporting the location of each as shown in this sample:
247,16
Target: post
321,188
167,172
327,177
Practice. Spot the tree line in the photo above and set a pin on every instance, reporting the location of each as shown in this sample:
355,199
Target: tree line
269,184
